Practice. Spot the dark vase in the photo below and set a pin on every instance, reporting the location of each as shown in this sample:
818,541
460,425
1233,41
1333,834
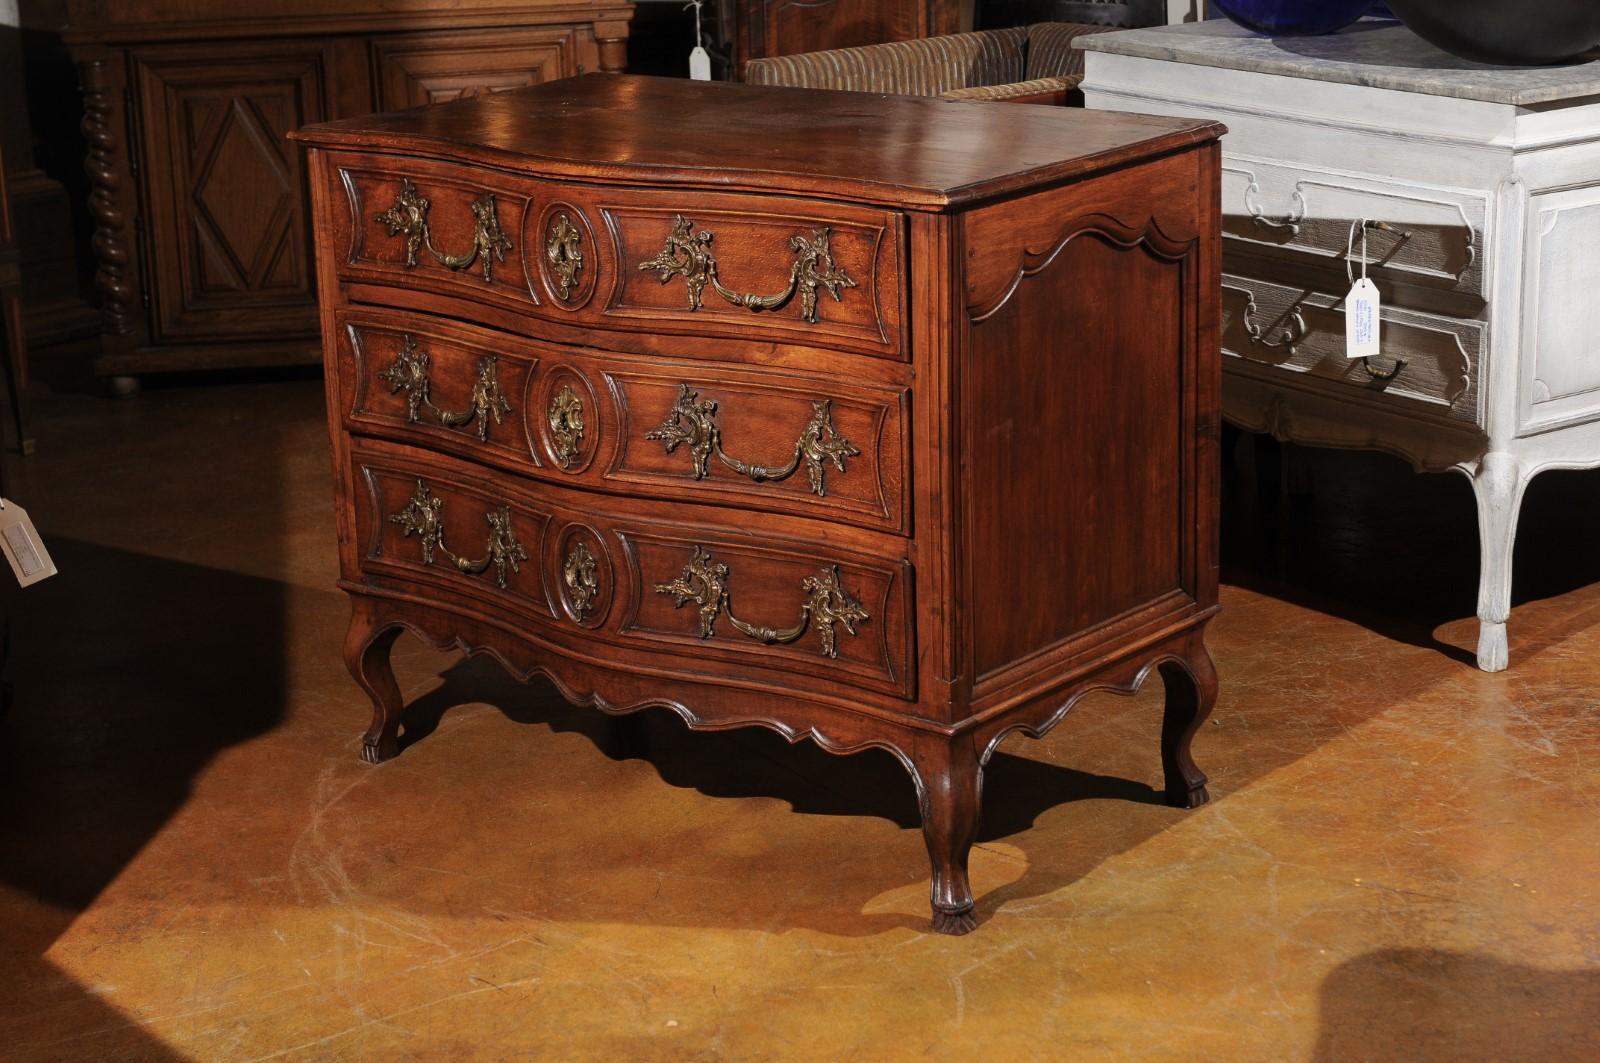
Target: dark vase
1518,32
1293,17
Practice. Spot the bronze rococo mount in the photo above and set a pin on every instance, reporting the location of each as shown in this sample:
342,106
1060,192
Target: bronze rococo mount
1006,413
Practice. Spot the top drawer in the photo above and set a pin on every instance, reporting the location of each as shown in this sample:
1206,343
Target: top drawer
772,268
1422,235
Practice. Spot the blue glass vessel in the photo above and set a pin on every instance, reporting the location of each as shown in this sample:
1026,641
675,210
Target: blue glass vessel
1293,17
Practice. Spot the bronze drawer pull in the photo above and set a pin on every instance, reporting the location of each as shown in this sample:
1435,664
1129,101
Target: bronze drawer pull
409,373
1295,331
423,517
705,583
687,254
409,217
1290,221
694,422
1383,374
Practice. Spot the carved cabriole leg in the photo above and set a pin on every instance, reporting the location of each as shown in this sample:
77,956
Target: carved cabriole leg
366,654
950,791
1191,692
1499,483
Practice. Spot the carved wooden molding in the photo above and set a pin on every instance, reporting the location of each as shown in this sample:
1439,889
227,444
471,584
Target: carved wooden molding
102,112
1031,262
523,662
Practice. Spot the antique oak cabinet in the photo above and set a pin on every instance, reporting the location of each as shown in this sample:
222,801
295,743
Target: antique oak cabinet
203,234
877,421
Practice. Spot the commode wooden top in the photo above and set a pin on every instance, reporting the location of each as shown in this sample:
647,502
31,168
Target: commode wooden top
902,151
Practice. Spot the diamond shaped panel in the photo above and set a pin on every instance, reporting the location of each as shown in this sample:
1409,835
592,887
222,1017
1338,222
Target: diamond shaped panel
244,192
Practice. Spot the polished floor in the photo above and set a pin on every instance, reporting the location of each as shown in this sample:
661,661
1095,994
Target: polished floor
1401,861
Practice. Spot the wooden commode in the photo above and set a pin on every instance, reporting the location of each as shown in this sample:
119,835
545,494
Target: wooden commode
876,421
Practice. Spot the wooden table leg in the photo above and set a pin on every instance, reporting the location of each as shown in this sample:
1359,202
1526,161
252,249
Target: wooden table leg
950,791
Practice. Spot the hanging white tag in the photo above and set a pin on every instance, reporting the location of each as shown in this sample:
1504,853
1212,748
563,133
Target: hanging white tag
699,64
20,542
1362,325
699,61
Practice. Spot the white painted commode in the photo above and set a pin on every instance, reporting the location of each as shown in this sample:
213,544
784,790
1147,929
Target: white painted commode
1483,187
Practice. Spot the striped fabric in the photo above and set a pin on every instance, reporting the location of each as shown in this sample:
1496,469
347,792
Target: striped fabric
1034,87
925,67
1050,50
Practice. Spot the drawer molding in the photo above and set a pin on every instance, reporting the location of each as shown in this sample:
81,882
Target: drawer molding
1438,232
693,422
1430,362
408,217
423,516
687,254
569,268
705,582
581,569
410,372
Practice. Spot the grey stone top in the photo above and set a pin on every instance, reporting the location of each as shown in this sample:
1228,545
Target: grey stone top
1379,54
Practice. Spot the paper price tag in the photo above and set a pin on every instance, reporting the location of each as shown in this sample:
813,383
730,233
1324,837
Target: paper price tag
699,60
20,542
699,64
1362,326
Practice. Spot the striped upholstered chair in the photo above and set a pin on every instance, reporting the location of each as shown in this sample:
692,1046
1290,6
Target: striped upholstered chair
1023,64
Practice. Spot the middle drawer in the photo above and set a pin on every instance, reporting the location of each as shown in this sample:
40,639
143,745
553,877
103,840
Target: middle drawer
778,442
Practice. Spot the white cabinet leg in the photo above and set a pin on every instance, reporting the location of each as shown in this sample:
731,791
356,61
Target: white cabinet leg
1499,484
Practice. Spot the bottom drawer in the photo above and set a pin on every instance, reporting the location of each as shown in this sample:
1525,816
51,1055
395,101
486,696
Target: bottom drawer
1290,330
690,590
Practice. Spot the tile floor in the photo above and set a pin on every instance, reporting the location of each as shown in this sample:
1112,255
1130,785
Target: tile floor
1401,861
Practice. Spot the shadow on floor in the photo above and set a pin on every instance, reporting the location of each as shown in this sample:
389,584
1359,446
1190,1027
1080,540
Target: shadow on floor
1424,1005
755,763
1366,538
813,781
131,674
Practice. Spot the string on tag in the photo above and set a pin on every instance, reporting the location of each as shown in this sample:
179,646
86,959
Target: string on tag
1362,304
1350,247
699,60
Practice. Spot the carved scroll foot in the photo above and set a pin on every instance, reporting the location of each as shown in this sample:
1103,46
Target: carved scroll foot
950,793
366,654
1191,692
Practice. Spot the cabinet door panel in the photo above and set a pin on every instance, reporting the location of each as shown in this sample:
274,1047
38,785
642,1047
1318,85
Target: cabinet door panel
228,218
435,67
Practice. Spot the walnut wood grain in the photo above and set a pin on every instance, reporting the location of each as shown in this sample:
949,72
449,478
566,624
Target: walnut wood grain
895,151
1014,503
